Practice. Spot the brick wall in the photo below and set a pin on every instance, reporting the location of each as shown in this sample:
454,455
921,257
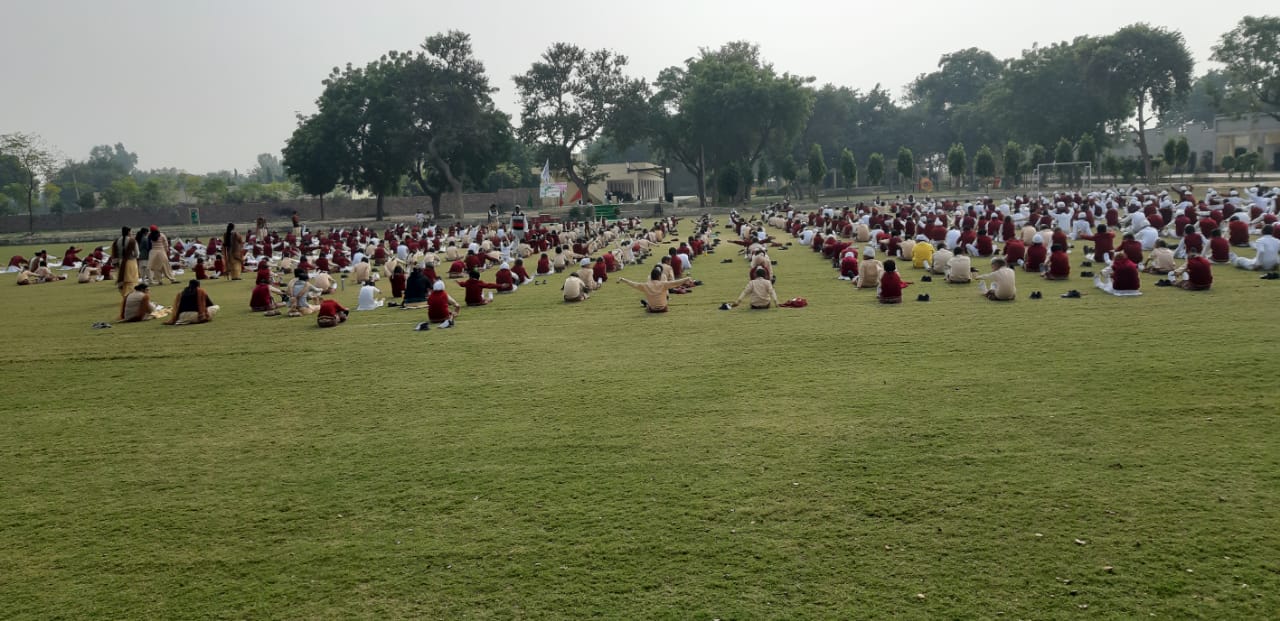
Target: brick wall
475,205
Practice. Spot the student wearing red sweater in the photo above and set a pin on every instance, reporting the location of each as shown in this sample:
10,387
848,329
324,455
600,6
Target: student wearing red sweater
1131,248
1120,278
441,307
331,314
600,271
891,284
544,266
1196,275
522,275
475,289
505,279
1036,254
1103,242
1219,249
1059,264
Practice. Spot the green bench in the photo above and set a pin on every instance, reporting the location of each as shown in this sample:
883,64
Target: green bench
606,212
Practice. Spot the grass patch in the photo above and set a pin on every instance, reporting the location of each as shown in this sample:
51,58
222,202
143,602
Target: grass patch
545,460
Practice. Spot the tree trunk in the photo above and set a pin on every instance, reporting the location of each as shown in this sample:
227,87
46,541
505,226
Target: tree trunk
435,205
583,190
379,214
457,191
31,210
702,176
1142,143
322,207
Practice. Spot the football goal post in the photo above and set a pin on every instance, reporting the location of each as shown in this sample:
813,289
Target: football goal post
1064,175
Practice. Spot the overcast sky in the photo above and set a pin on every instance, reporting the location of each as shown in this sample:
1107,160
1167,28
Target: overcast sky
204,85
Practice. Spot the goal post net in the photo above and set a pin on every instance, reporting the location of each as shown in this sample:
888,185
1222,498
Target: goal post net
1073,175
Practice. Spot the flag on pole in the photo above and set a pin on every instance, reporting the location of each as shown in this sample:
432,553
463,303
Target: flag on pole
546,172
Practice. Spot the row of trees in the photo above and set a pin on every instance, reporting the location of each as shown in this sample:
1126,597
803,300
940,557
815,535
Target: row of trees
424,121
33,176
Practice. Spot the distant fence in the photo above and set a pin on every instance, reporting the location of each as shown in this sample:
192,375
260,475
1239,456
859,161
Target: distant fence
308,210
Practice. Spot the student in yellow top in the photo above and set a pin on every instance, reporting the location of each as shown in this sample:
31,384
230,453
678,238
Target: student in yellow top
922,253
759,292
656,290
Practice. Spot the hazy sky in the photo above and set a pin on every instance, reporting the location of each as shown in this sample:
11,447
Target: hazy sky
205,85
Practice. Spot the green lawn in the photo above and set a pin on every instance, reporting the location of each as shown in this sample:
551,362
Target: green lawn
542,461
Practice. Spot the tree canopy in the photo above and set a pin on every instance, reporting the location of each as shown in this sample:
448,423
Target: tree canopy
567,98
1251,53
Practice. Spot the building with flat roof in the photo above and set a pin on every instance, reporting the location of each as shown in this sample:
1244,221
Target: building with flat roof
1251,132
640,181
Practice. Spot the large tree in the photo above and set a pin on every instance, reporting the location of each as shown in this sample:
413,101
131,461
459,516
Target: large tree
984,163
1039,97
312,157
727,107
950,99
1012,162
37,163
875,168
458,134
1149,68
1212,95
427,114
567,98
817,170
906,168
368,122
1251,52
956,161
849,170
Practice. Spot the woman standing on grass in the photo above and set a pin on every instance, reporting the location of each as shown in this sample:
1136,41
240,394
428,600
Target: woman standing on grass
158,261
124,253
233,252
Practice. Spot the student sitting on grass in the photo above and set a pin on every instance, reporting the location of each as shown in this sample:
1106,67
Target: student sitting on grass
1001,282
331,313
870,271
441,307
1120,278
656,289
574,289
759,292
192,306
1268,255
891,284
1196,275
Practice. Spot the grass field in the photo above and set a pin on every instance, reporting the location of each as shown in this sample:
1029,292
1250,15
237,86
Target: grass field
1090,458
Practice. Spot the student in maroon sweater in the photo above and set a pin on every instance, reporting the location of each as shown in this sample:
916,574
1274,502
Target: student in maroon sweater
1036,254
1121,278
1238,232
600,270
522,275
397,283
1131,248
475,289
1103,242
1219,249
1191,242
1196,275
891,284
505,279
1059,264
1014,251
